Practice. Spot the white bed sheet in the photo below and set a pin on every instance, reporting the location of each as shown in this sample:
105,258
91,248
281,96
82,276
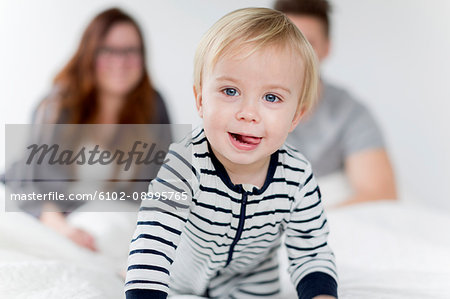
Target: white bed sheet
383,250
389,250
38,263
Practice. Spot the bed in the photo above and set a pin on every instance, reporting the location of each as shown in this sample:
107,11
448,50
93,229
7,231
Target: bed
386,249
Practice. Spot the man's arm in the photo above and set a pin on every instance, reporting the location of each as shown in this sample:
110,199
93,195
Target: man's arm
370,175
366,162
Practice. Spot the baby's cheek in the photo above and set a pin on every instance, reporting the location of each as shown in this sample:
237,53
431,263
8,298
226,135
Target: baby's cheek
216,115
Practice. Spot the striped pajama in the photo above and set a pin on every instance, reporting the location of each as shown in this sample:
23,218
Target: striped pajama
221,240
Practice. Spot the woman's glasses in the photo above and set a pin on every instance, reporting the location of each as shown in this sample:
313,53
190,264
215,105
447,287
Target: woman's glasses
128,53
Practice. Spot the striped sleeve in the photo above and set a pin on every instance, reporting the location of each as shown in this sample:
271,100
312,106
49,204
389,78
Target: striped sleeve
161,219
311,261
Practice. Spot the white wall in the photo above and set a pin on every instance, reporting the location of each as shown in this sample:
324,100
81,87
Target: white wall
392,54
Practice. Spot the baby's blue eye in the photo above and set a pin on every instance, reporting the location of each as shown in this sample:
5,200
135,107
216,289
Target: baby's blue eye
231,92
271,98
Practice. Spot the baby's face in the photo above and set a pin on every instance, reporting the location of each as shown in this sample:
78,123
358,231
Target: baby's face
249,103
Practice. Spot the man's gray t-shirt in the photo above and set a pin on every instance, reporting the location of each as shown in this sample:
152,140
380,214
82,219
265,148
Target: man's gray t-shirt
338,127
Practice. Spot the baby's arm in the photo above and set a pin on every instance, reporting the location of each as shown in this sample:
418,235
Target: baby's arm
312,266
159,227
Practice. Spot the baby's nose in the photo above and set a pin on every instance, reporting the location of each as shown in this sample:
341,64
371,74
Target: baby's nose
248,111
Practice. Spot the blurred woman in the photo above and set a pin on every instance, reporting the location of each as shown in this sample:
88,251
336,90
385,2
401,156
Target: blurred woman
105,82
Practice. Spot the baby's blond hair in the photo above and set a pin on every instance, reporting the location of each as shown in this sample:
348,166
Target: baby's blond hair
257,28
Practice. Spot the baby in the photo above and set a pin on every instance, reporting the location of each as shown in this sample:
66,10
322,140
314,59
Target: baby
212,221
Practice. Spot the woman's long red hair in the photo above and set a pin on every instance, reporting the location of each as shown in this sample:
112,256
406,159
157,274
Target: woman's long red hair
77,84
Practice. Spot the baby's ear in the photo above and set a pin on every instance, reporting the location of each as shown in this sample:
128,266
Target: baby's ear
297,117
198,101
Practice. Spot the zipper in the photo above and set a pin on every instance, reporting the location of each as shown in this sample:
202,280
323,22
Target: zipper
239,229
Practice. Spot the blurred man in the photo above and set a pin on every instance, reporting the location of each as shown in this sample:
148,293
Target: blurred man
340,134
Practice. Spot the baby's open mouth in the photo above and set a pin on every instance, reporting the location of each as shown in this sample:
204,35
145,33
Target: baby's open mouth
246,139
